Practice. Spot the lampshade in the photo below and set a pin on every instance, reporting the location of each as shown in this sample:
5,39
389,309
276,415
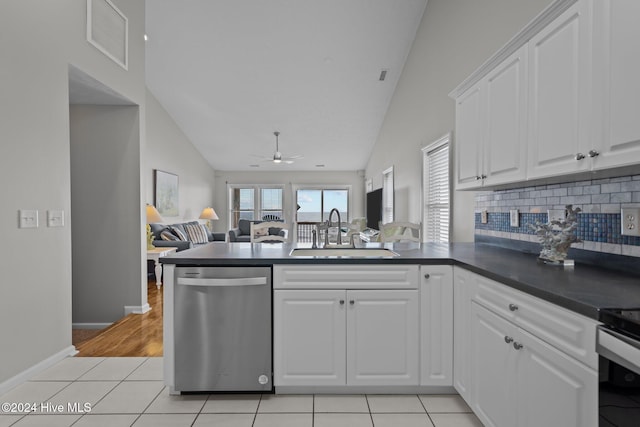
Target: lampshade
208,213
152,214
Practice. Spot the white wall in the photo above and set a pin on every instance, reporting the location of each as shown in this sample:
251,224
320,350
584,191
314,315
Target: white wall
39,40
454,38
169,150
105,206
289,180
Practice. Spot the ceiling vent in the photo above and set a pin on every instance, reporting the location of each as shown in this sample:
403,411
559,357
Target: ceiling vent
383,75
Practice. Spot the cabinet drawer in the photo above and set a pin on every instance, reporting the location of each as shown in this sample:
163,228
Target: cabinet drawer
364,276
567,331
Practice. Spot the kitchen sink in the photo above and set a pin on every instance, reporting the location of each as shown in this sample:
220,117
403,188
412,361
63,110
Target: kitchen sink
344,252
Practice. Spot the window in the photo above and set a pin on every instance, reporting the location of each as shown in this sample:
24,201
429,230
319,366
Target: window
316,204
254,202
436,188
387,195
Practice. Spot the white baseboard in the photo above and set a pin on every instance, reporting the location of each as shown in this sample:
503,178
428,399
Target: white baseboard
90,325
36,369
136,309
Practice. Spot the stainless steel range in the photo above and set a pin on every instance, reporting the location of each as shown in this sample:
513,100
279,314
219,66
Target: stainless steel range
618,344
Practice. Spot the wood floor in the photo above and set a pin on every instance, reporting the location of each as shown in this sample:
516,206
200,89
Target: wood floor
136,335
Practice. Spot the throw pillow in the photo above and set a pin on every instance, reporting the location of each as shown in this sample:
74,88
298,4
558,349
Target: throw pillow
245,226
178,233
166,234
197,234
261,232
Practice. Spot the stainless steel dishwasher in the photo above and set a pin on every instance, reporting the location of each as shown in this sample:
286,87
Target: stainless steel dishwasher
222,329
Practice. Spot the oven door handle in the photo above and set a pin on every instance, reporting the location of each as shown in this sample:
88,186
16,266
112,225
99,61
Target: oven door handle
618,348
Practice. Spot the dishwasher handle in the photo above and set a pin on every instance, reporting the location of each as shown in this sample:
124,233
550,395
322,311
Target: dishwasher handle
239,281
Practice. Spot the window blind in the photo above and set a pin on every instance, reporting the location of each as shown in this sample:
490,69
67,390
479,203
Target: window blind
387,196
436,193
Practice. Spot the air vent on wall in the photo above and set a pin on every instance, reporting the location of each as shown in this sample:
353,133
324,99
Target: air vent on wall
383,75
108,30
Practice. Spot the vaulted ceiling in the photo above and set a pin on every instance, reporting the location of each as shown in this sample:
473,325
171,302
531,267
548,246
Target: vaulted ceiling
231,72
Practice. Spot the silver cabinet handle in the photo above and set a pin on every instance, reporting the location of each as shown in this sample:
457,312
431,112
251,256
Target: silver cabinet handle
478,177
513,307
351,302
507,339
483,176
517,345
426,276
593,153
579,156
341,302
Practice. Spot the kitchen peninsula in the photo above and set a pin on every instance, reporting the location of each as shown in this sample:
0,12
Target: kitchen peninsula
430,320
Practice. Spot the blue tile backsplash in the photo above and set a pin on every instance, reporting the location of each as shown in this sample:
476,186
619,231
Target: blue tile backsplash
598,223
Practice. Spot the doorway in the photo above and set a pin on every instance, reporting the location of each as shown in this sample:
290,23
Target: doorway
108,263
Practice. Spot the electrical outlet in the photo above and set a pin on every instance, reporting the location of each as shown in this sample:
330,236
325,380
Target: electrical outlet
630,218
514,218
484,216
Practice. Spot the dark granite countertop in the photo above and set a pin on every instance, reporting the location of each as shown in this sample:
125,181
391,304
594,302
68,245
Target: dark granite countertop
583,289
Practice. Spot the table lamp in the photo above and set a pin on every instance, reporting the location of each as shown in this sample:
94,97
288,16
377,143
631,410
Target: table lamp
152,216
209,214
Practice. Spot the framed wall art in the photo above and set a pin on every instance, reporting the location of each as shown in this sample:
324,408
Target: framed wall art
166,193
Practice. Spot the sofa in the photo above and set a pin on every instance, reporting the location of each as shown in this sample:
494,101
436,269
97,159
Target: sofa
183,235
242,233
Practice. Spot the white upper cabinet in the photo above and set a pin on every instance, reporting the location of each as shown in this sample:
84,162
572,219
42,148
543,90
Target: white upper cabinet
562,98
504,152
491,126
617,74
559,95
469,134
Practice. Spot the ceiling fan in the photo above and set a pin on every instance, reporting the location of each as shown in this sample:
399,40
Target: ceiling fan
277,155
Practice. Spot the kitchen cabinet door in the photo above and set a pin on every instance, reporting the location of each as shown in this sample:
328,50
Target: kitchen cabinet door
469,133
519,380
504,150
463,290
559,95
436,325
494,368
382,337
309,337
552,388
617,83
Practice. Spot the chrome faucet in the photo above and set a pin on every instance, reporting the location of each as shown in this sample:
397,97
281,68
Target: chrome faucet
329,224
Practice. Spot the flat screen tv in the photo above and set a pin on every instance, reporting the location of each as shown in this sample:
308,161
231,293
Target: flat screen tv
374,208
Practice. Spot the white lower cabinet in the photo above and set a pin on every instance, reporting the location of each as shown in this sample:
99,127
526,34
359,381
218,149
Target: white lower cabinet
519,380
382,337
463,290
309,337
346,337
522,361
436,325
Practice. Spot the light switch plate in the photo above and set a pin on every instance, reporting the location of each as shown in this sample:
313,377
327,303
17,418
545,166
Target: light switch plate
514,218
28,218
629,221
55,218
556,214
484,216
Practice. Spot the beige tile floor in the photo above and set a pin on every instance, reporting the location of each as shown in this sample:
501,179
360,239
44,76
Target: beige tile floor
128,391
